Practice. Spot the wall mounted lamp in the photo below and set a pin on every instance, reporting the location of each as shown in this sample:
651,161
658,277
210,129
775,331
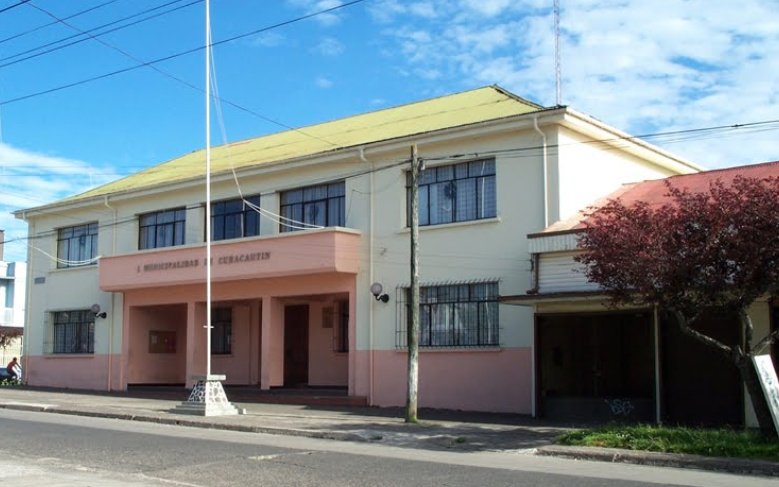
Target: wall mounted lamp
96,310
376,289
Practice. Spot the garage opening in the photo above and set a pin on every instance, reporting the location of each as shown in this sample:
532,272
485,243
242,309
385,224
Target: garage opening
596,366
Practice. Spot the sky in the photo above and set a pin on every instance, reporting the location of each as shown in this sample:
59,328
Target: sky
646,67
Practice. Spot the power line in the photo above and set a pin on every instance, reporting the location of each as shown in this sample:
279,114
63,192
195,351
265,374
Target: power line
13,6
78,41
179,54
77,14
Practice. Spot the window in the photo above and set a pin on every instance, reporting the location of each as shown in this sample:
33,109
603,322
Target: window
161,229
321,205
457,315
74,331
77,246
455,193
221,331
235,219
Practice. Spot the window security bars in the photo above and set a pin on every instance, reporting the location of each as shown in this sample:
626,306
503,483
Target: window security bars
455,193
235,219
221,331
74,332
161,229
321,205
77,246
456,315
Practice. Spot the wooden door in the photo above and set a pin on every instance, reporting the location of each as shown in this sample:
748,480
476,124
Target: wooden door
296,346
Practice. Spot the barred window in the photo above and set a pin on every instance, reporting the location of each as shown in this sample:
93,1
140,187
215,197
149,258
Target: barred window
235,218
77,246
455,193
161,229
221,331
457,315
74,331
321,205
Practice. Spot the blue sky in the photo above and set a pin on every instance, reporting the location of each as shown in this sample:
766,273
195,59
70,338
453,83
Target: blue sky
644,67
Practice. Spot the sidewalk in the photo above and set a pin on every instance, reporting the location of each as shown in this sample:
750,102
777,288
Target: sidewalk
447,431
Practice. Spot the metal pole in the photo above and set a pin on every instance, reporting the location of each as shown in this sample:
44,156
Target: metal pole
208,188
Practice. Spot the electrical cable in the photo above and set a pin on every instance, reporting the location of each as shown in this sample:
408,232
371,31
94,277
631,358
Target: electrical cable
177,55
71,16
13,6
78,41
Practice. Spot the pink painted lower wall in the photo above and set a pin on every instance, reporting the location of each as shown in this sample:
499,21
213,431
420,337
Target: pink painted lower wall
471,380
144,364
326,367
237,365
72,372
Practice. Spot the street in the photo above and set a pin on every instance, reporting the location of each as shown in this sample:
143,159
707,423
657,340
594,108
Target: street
54,449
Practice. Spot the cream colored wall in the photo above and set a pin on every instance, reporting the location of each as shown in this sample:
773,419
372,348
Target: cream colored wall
589,171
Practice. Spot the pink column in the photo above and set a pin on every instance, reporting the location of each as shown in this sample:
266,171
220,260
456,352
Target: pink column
352,341
272,345
196,339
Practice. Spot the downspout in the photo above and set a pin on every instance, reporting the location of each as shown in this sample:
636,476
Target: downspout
370,277
113,303
28,297
546,170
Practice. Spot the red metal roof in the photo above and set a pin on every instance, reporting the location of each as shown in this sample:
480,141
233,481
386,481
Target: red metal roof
655,191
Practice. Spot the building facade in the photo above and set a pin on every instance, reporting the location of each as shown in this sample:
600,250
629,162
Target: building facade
595,361
304,222
13,276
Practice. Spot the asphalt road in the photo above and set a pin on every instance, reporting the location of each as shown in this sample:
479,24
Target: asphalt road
53,450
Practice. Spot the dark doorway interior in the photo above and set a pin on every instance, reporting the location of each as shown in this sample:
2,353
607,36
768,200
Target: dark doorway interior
597,366
700,386
296,346
774,327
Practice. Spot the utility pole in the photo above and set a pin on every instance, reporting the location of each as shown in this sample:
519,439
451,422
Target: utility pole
412,330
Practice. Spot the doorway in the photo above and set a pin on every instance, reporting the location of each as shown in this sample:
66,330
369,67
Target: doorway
296,346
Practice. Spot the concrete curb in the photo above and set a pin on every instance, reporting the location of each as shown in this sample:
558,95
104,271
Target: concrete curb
194,423
678,460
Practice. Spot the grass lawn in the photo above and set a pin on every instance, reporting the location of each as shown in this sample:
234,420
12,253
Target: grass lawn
710,442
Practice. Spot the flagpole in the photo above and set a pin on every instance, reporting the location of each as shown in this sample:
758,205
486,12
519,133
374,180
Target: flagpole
208,188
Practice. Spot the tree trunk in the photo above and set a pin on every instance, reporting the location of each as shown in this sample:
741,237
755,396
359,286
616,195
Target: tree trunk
755,391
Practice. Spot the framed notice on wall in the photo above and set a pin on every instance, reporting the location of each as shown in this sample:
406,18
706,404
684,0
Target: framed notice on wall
162,341
767,375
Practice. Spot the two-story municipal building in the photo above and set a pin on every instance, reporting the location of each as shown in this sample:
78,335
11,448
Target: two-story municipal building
303,223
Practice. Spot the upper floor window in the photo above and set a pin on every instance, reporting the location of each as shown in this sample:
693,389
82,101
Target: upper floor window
77,246
321,205
235,218
455,192
456,315
74,331
161,229
221,331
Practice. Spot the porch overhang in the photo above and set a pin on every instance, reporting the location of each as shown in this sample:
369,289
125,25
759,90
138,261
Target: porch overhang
329,250
561,297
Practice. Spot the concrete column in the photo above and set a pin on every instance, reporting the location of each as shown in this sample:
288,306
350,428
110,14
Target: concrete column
196,342
353,342
255,332
272,346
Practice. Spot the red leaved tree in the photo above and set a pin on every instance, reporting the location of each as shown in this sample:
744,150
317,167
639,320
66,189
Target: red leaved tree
717,249
8,334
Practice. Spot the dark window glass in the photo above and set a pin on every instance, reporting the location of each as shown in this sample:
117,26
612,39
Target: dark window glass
322,205
235,218
74,332
221,331
161,229
77,246
455,193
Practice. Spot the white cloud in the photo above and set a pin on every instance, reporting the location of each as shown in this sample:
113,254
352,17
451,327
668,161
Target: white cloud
312,6
323,82
267,39
698,64
330,46
29,179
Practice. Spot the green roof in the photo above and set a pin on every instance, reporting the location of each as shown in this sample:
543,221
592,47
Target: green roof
479,105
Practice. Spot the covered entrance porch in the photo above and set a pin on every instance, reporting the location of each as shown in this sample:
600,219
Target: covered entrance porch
289,324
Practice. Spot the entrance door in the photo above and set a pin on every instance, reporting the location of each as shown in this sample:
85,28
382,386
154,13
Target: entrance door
296,346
